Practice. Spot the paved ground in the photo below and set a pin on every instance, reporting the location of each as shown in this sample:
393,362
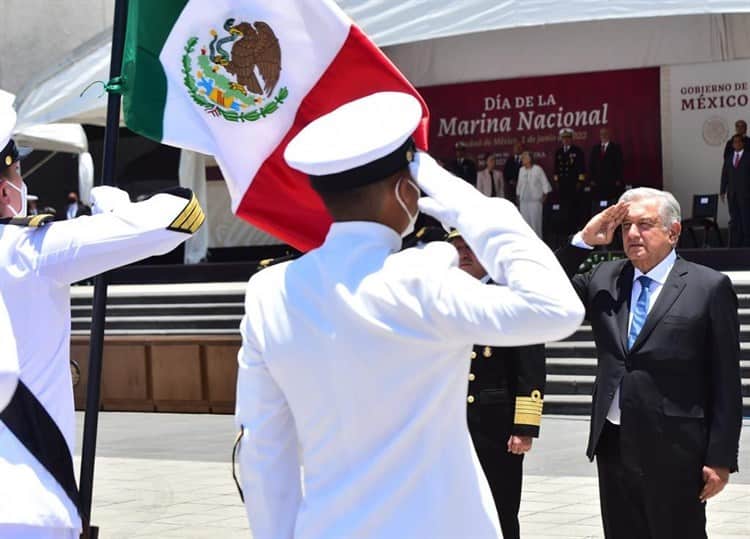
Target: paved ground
168,475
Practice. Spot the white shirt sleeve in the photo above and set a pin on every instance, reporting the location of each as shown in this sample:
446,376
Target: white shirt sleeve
68,251
535,301
269,463
577,241
9,366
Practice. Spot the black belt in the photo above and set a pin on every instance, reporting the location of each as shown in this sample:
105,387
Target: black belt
37,431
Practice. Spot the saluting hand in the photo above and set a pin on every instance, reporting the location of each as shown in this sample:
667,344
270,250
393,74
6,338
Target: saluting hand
518,445
601,228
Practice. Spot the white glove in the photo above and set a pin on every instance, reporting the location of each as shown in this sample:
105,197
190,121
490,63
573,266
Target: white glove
105,199
447,193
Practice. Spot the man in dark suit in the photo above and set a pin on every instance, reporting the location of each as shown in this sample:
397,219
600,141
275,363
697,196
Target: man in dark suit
605,168
740,128
510,171
462,166
570,177
504,407
667,403
735,185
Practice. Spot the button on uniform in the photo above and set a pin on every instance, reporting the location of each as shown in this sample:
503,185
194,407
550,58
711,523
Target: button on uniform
472,377
470,399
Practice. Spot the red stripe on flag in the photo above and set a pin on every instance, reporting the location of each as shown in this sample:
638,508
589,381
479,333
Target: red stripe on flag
280,200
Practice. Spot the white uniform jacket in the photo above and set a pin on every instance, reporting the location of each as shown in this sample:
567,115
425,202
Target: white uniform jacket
37,267
355,364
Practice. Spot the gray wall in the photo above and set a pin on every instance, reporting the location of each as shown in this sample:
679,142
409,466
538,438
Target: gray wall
35,34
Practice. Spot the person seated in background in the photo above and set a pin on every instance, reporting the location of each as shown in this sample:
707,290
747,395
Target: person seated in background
490,180
531,190
504,406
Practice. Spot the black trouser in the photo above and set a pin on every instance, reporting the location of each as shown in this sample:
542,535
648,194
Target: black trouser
659,504
504,472
739,221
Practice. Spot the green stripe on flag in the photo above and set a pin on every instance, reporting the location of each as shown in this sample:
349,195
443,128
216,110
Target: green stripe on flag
144,82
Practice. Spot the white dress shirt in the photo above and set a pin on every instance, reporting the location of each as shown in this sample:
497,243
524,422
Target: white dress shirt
359,355
658,276
37,267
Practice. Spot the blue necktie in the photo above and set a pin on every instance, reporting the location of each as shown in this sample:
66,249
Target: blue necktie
640,311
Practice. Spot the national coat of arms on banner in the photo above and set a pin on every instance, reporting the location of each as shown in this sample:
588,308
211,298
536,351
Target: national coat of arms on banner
233,73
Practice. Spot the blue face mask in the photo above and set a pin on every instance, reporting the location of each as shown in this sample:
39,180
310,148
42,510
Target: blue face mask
412,218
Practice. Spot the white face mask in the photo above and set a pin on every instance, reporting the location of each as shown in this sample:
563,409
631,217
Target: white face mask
412,218
24,199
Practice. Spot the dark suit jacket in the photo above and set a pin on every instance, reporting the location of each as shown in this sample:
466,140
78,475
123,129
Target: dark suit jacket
736,181
506,393
729,149
680,383
466,170
511,168
606,169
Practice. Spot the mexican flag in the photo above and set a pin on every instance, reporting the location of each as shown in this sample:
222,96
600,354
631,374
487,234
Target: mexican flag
238,79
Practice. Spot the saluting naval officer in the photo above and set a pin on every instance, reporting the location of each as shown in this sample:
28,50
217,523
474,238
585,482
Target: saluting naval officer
504,406
355,356
39,259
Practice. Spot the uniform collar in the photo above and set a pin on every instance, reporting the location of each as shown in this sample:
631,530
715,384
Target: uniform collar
485,279
659,272
359,231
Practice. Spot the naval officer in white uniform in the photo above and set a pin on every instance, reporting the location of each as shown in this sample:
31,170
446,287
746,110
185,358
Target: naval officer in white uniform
355,357
39,260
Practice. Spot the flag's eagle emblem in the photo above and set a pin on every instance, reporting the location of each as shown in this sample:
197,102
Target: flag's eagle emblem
237,71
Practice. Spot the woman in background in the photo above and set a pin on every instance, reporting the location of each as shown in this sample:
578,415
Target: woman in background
532,189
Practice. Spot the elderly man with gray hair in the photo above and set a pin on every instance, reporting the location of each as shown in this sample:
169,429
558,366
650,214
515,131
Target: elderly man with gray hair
667,403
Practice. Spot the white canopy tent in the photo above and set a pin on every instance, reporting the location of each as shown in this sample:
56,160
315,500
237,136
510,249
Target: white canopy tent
443,41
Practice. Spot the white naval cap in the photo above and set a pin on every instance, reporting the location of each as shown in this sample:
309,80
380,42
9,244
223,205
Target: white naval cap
566,132
361,142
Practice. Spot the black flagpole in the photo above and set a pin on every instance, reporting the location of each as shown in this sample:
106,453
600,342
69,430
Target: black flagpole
96,342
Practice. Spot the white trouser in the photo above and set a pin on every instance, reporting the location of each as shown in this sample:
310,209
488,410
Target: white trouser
19,531
531,211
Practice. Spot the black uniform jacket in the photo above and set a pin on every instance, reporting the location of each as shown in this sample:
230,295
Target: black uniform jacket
680,387
570,169
506,392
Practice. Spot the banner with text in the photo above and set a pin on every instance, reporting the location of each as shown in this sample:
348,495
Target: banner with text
491,116
700,105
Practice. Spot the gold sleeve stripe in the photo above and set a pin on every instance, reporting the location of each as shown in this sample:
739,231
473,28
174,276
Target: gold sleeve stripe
195,218
527,419
197,223
529,409
185,213
39,220
189,219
